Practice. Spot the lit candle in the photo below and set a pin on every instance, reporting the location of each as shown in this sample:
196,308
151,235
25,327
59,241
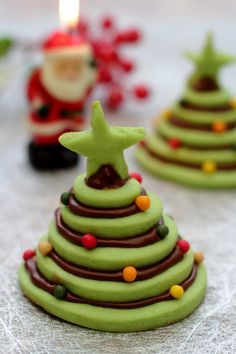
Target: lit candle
58,91
69,13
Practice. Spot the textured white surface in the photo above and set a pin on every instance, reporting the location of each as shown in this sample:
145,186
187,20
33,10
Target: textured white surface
28,199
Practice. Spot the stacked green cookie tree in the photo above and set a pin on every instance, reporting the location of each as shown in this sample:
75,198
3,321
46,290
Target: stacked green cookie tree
195,140
112,259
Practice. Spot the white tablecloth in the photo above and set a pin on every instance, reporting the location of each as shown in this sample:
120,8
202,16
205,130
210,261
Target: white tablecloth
28,199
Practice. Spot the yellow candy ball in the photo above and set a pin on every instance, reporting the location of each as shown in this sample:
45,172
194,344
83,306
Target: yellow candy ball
219,126
209,166
233,103
166,114
143,202
198,257
177,291
45,247
129,274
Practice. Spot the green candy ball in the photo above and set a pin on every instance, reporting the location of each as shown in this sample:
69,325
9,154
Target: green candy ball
162,230
65,198
59,292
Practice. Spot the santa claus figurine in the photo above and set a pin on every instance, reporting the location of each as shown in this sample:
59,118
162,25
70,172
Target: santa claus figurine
57,93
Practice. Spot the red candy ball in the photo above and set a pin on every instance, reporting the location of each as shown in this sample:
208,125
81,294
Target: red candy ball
175,143
183,245
89,241
28,254
107,22
137,176
115,99
141,92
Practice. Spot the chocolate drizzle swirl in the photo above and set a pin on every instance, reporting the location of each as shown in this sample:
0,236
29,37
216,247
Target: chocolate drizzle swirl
105,178
148,238
80,209
38,280
143,273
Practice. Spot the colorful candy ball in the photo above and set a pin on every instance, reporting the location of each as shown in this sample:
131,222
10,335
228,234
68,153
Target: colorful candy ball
59,292
162,230
136,176
143,202
89,241
129,274
209,167
28,254
45,247
219,126
177,291
65,198
183,245
174,143
198,257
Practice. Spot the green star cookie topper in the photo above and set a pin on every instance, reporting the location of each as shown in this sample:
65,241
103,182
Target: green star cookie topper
103,145
209,61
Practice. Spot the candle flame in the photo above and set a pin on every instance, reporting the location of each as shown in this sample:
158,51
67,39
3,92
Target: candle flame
69,12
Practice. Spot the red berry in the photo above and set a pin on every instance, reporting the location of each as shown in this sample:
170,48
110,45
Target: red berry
137,176
28,254
141,91
107,22
183,245
115,99
89,241
105,75
175,143
127,65
132,35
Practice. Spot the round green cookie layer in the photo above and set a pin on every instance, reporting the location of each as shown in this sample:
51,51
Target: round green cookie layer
124,227
113,258
197,138
159,146
209,99
117,291
203,117
110,198
184,175
118,320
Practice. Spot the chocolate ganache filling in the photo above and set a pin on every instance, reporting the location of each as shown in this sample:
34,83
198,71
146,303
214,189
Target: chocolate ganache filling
194,107
143,273
197,126
205,84
105,178
151,236
49,287
78,208
227,166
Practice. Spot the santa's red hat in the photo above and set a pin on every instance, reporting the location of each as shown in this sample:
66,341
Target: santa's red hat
66,44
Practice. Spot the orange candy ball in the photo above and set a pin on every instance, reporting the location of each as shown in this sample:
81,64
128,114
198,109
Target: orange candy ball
219,126
45,247
143,202
129,274
198,257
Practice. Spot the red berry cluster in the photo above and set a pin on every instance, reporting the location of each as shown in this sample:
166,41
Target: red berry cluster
108,42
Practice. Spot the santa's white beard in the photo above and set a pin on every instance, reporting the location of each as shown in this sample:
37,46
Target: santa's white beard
66,90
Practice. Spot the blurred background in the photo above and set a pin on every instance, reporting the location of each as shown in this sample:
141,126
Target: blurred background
29,198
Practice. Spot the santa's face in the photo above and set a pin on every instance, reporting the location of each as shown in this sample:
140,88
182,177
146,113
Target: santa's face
68,76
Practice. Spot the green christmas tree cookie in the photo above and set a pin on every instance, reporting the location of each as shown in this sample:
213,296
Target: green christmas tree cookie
112,260
194,142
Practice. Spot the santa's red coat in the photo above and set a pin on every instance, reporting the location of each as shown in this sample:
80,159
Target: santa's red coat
62,116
